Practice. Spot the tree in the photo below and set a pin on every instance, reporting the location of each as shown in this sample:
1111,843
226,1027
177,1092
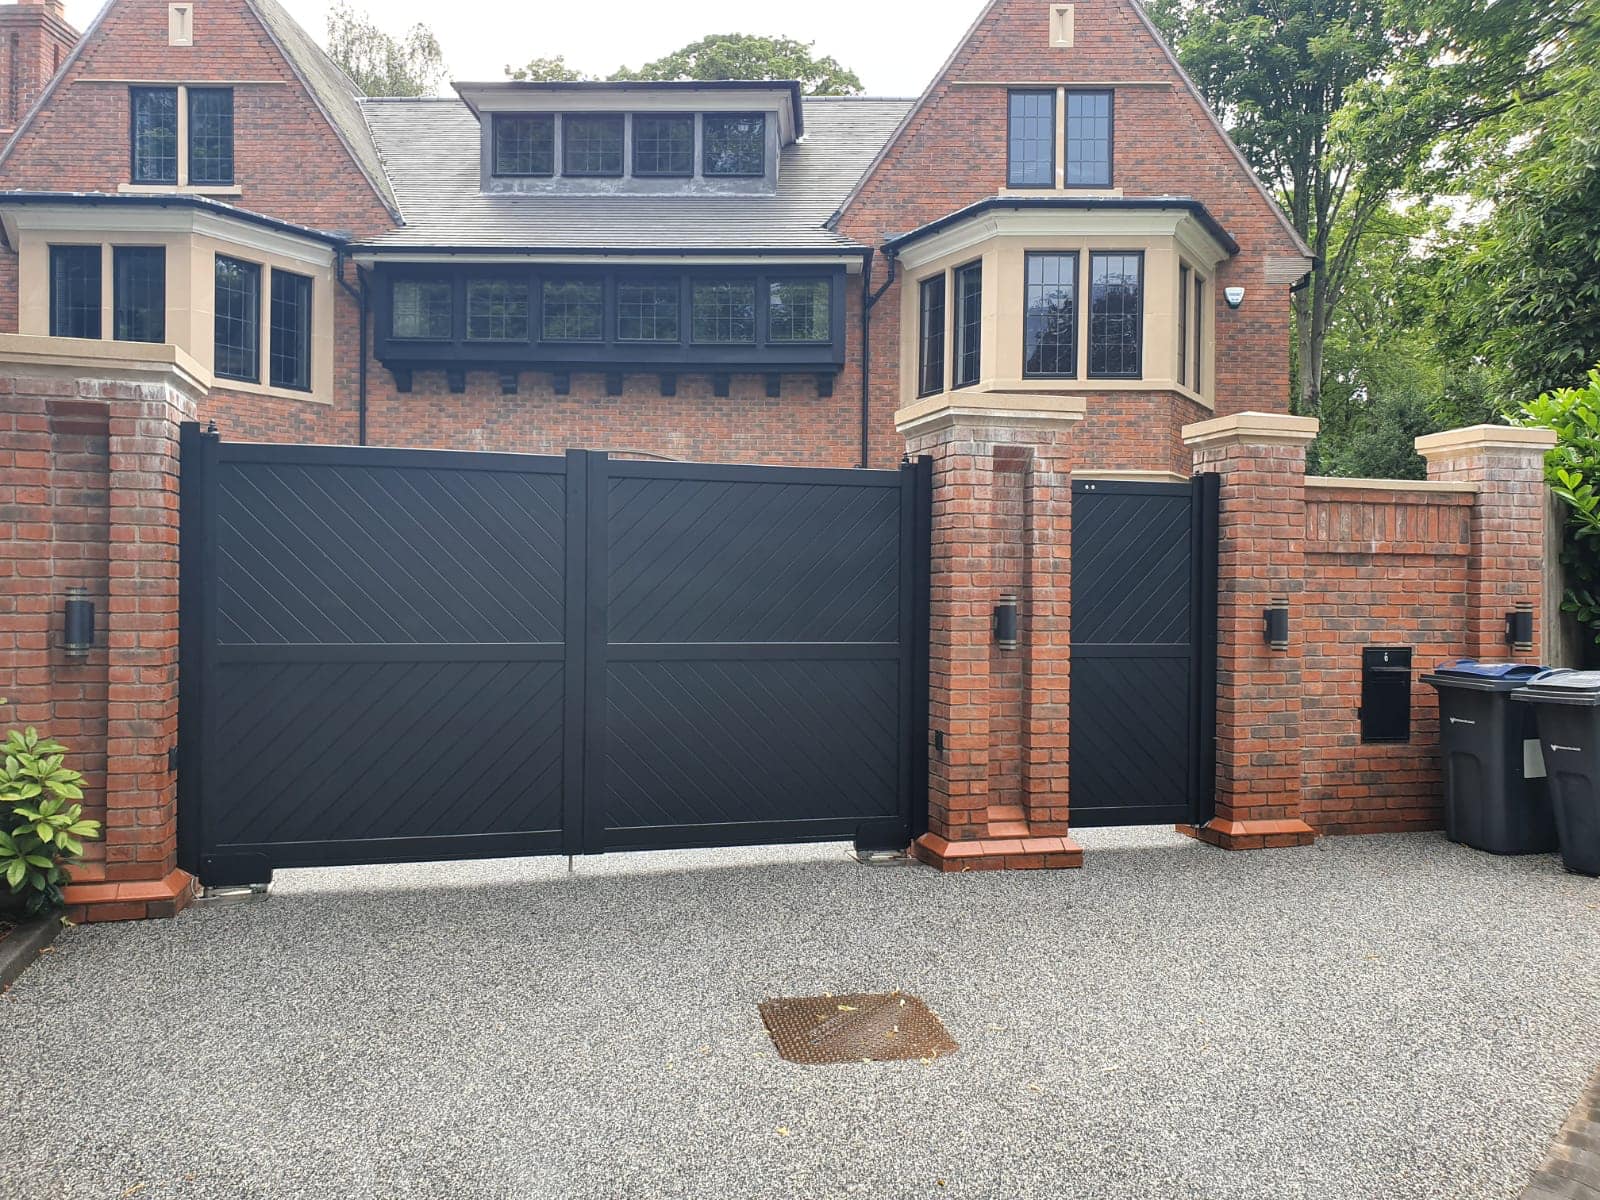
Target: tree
747,56
1520,289
1338,105
546,70
379,63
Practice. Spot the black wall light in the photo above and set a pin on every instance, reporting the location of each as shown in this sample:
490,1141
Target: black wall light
1005,621
1275,623
79,636
1519,627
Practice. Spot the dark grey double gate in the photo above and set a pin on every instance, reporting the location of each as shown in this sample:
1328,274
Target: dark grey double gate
401,655
1144,650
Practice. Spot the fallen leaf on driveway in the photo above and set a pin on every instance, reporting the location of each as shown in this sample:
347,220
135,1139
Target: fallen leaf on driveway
783,1131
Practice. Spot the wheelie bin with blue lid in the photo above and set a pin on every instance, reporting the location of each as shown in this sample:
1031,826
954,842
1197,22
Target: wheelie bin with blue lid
1495,795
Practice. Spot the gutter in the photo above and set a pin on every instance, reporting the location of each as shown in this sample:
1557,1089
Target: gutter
166,200
1087,203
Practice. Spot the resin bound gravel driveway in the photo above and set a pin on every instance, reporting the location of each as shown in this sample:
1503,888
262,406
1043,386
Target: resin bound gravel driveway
1373,1017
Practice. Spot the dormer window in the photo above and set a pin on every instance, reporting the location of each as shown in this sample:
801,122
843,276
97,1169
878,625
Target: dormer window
591,144
735,145
663,146
524,144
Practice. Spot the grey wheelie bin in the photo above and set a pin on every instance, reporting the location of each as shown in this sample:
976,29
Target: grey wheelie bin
1495,797
1568,708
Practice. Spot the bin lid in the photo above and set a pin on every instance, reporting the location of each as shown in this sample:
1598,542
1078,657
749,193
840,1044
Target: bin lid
1483,676
1561,686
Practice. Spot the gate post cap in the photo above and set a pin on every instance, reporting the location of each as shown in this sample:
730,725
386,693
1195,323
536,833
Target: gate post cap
1252,428
1476,438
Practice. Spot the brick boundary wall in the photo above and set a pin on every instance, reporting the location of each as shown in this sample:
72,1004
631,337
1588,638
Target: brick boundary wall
90,498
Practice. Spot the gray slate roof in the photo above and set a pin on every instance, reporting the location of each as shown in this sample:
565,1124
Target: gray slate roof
430,150
333,91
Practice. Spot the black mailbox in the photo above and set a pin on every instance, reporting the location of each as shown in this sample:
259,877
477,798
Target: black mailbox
1386,694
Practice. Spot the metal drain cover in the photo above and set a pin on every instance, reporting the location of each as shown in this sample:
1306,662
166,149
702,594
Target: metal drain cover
837,1029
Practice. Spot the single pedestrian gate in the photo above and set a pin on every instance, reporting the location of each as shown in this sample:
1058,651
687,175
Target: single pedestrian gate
1144,651
402,655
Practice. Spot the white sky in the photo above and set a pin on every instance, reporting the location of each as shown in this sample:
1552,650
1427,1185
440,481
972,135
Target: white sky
895,46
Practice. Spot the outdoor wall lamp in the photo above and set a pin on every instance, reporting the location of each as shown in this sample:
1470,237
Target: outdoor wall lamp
1519,627
79,621
1275,623
1234,296
1005,621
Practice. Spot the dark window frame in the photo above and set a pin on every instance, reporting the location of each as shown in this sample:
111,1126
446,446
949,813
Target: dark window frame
576,277
191,94
518,279
302,332
1144,285
774,284
394,286
750,281
1049,141
621,121
1199,333
57,299
705,145
1077,311
495,122
930,338
959,328
1185,276
633,148
1111,138
644,279
134,175
253,271
124,309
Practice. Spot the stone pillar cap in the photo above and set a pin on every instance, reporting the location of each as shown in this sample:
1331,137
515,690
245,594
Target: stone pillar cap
1254,428
1485,437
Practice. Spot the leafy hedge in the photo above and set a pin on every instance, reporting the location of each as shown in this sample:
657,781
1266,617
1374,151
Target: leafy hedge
1573,470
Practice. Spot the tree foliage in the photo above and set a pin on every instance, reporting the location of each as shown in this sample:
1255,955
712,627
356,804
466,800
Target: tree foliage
381,63
1340,103
722,56
1520,289
1573,471
546,70
748,56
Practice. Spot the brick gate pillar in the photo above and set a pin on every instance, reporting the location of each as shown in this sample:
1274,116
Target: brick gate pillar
1506,572
997,785
93,502
1262,460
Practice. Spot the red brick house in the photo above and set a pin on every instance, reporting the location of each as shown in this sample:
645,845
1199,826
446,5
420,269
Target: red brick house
1051,278
690,270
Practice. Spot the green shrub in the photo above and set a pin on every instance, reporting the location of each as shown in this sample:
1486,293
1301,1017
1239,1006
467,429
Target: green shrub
41,823
1573,471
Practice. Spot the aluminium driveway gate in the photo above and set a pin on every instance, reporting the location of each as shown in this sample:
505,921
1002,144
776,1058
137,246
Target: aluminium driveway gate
403,655
1144,651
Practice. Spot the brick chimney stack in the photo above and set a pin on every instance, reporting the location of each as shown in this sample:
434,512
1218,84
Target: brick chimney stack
35,40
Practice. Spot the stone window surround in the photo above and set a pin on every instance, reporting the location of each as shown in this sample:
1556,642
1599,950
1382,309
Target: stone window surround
1002,239
183,187
192,240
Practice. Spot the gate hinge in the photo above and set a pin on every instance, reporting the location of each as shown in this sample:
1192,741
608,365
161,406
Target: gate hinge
172,759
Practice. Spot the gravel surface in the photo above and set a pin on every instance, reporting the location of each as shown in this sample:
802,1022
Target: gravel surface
1372,1017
